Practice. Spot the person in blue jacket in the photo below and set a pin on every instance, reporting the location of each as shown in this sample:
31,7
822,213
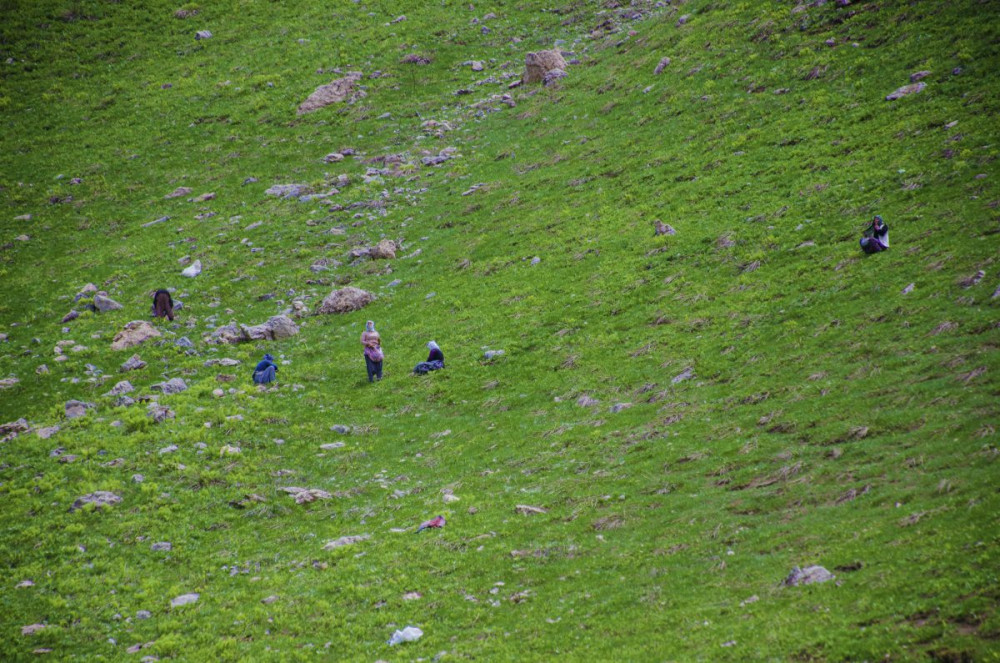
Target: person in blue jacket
265,371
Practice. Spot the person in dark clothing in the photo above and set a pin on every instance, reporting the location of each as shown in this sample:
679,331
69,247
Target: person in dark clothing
265,371
876,236
435,360
163,305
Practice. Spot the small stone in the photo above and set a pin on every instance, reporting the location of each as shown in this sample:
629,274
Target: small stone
169,449
906,90
162,546
138,478
527,510
25,583
908,289
586,401
133,363
123,387
661,65
269,600
192,270
202,34
76,409
491,354
31,629
341,429
346,541
179,191
184,599
143,614
171,386
69,317
99,499
47,432
807,576
333,157
105,304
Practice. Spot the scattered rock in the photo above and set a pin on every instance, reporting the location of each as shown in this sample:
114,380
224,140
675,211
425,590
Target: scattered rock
138,478
661,65
192,270
183,341
143,614
159,413
586,401
341,89
69,317
169,449
76,409
7,383
123,387
553,76
384,250
269,600
333,157
47,432
184,599
970,281
224,361
906,90
807,576
99,499
25,583
162,546
346,541
202,34
527,510
276,327
202,198
538,64
31,629
42,369
663,229
413,58
918,75
330,446
179,191
686,374
306,495
618,407
10,430
134,363
171,386
340,429
287,190
134,333
491,354
908,289
345,300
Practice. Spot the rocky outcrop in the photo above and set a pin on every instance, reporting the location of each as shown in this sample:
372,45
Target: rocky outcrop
341,89
135,333
345,300
536,65
276,327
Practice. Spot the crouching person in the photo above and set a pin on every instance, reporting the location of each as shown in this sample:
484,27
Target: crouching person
265,372
876,236
435,360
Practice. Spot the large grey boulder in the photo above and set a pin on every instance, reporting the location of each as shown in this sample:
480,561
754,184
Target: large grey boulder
345,300
134,333
103,303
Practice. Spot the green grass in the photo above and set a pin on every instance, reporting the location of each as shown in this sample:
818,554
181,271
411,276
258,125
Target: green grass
830,418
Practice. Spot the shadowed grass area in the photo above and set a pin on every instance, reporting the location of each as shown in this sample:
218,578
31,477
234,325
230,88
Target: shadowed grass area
693,414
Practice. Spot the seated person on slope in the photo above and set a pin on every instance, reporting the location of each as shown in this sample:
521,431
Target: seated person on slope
876,236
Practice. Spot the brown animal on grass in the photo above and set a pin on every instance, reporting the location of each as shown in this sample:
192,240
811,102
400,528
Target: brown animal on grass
163,305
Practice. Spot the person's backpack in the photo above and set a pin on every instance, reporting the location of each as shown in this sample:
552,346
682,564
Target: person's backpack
374,353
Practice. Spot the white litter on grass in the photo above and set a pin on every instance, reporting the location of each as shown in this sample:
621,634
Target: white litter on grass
408,634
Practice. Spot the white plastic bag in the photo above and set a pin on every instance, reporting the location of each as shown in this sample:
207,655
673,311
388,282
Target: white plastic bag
408,634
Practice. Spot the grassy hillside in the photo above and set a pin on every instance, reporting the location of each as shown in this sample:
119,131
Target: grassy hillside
693,415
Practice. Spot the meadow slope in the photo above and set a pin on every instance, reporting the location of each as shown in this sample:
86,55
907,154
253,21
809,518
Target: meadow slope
691,415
